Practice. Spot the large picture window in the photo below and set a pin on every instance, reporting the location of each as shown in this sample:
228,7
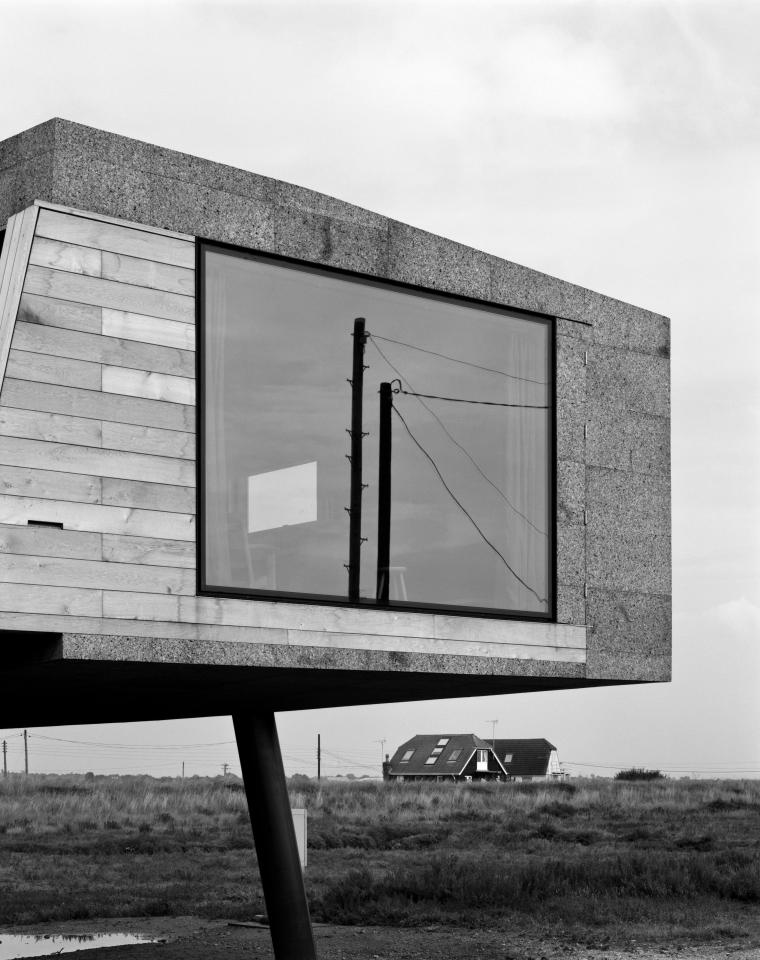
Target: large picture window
471,425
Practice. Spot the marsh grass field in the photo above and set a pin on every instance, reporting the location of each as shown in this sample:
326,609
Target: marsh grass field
674,859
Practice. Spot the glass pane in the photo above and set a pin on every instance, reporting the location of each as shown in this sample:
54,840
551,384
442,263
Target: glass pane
470,523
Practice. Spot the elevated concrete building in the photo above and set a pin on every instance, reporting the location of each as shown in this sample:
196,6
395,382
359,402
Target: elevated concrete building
168,552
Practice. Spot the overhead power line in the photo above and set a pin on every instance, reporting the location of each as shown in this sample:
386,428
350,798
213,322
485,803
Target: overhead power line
466,363
456,443
464,510
481,403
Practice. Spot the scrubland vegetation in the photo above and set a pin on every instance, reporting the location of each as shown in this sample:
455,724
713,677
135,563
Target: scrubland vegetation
675,856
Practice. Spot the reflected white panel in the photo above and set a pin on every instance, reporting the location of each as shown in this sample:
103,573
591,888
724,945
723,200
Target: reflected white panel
282,498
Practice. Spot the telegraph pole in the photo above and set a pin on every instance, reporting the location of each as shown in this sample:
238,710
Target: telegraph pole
225,767
493,732
382,749
26,754
5,758
384,495
319,756
357,435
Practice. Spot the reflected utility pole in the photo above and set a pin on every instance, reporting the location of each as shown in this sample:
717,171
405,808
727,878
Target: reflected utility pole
355,458
384,494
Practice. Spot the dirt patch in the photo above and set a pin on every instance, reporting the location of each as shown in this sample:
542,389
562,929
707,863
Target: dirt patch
192,938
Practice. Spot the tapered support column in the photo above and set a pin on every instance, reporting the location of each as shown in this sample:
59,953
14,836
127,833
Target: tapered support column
274,836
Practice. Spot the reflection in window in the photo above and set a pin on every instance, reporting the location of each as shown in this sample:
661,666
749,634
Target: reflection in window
470,521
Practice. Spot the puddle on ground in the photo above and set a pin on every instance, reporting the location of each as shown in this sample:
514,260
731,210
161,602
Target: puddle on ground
13,945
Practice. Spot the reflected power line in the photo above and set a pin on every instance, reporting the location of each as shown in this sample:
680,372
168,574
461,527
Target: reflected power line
456,443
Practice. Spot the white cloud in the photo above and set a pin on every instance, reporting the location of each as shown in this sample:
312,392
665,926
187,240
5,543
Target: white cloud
740,617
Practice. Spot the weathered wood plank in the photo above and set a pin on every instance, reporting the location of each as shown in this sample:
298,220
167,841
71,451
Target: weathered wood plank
128,626
13,268
98,518
135,326
109,293
20,452
49,485
483,630
105,235
8,257
149,496
148,273
90,403
95,575
47,368
50,542
146,607
427,645
49,312
31,598
129,436
56,427
151,386
104,349
65,256
149,550
295,616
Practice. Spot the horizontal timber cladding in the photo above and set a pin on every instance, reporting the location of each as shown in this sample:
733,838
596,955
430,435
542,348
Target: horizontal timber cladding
49,398
105,349
98,468
97,421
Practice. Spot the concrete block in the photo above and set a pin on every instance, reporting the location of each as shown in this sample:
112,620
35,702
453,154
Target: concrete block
622,325
21,185
637,443
336,243
425,260
205,212
629,635
575,329
94,185
571,553
571,369
571,604
309,201
9,192
30,143
631,381
571,491
10,152
515,285
649,333
217,176
571,419
628,531
75,141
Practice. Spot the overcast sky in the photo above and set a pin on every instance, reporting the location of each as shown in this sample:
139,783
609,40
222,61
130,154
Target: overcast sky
616,145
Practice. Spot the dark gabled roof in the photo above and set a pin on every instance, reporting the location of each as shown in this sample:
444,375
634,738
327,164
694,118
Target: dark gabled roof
530,758
422,746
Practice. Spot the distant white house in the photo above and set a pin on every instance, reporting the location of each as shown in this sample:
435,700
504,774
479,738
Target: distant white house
465,756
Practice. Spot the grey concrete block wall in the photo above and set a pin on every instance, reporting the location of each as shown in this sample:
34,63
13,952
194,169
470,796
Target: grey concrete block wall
613,428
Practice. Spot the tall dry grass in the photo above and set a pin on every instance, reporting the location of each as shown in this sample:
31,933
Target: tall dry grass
593,852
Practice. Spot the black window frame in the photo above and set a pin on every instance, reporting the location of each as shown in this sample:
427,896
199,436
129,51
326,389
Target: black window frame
366,603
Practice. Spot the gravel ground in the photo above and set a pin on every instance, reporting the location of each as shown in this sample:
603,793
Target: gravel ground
190,938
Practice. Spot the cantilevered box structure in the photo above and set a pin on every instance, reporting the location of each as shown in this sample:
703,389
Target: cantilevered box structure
198,515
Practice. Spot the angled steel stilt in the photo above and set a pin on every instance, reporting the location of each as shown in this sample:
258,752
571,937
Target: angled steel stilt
274,836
